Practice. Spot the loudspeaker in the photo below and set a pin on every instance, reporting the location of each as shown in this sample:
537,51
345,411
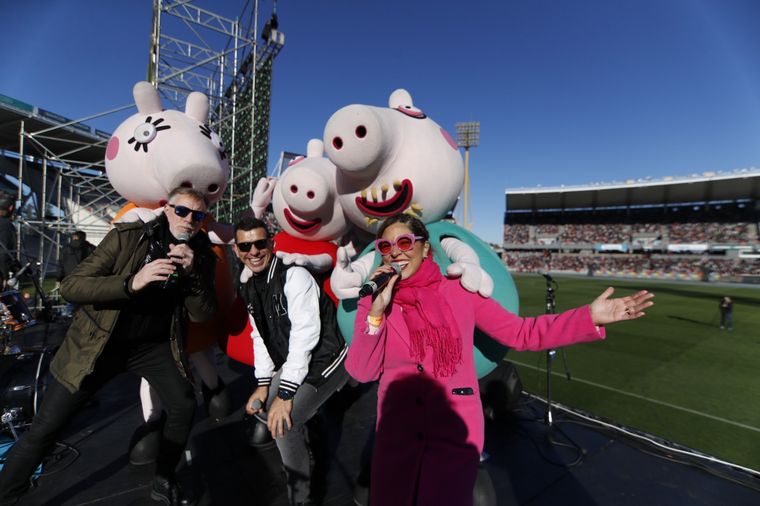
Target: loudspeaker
500,391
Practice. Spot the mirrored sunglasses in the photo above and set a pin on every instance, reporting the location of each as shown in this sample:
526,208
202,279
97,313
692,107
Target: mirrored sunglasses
404,242
183,211
246,246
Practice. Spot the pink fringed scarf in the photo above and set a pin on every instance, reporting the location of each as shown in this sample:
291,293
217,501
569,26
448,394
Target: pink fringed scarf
429,319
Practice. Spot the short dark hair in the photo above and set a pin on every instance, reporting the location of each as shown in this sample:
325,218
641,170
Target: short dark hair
189,192
251,223
415,225
79,233
6,202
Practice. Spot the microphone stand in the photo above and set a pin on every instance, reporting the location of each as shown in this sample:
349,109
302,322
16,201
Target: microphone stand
551,355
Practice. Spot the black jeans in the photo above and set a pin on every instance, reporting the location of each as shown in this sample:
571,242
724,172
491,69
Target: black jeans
154,362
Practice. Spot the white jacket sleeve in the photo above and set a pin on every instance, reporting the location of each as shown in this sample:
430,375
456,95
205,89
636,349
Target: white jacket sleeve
263,367
302,293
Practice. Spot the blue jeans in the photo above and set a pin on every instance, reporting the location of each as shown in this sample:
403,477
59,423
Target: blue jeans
727,320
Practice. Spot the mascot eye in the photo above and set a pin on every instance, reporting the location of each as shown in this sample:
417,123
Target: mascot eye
146,132
411,111
216,141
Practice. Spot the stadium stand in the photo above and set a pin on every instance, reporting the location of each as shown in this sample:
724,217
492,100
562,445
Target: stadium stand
701,227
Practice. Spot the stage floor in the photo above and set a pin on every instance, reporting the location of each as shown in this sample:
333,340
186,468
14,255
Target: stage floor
223,469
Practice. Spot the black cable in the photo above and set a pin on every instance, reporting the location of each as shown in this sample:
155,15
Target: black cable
648,444
58,456
642,446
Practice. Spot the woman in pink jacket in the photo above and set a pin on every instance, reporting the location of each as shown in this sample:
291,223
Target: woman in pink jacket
416,337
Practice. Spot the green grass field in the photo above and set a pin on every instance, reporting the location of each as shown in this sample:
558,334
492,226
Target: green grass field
673,373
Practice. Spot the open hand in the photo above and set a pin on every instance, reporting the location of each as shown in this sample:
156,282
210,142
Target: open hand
279,417
605,310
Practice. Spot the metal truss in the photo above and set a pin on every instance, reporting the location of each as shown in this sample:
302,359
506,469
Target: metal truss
193,49
61,186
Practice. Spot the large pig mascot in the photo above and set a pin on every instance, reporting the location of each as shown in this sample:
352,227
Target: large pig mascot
398,160
148,155
305,204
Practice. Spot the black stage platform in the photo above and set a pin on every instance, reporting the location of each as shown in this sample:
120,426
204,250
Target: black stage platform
222,469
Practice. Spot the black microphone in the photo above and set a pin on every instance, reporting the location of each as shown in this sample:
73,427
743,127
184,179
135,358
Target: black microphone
379,282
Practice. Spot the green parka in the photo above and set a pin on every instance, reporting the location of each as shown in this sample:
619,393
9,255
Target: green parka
99,285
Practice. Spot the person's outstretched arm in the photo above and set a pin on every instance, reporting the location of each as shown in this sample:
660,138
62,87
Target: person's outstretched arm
582,324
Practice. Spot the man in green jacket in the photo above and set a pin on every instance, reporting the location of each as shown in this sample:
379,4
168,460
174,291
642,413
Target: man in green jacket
137,290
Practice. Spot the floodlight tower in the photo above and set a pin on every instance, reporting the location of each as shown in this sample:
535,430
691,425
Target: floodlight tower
468,136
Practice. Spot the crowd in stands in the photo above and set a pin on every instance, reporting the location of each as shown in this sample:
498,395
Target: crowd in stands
735,233
645,228
690,267
516,234
547,230
601,233
673,233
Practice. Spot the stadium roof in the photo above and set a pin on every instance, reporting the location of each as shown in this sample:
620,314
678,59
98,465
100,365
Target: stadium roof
710,186
65,138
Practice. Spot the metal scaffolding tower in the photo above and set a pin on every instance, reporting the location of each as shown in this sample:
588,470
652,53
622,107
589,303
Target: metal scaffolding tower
56,167
193,49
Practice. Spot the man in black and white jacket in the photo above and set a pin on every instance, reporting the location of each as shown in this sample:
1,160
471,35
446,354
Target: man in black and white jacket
298,350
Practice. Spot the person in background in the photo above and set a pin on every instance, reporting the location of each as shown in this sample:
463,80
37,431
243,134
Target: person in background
299,353
726,309
8,263
137,291
72,255
416,337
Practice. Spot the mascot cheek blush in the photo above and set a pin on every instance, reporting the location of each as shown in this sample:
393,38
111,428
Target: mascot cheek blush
398,160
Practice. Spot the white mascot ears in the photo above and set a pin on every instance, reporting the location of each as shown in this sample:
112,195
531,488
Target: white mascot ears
400,98
148,102
315,149
196,106
146,98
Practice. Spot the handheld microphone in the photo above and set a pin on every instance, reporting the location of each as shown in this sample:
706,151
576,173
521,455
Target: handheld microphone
378,283
174,276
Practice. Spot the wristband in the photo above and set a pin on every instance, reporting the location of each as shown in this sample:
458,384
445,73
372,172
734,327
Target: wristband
375,321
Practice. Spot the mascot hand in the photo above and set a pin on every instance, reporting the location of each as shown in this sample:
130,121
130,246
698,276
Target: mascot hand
245,275
262,195
472,277
140,214
347,277
314,263
465,263
350,250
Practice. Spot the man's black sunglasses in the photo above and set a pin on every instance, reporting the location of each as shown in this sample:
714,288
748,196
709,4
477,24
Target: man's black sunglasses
183,211
246,246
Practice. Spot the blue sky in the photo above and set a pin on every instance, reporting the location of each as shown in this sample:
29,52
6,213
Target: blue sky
567,92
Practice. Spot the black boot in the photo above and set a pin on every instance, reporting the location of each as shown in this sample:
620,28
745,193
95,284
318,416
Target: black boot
145,442
168,492
257,432
217,400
